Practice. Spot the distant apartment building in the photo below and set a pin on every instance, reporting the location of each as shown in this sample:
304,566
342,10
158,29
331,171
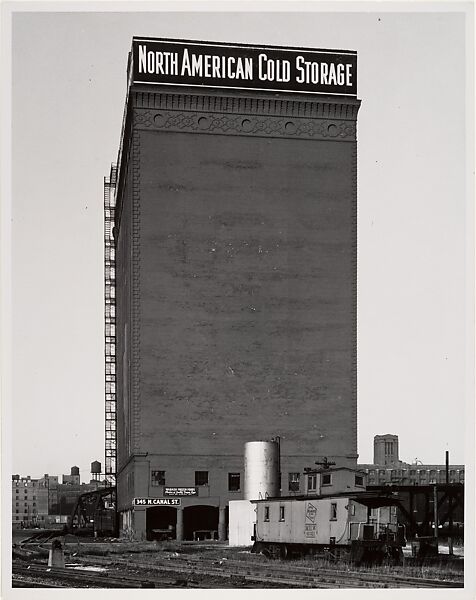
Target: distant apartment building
388,469
51,482
44,502
29,501
412,474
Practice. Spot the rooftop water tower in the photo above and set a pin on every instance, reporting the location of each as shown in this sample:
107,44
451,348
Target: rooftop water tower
96,470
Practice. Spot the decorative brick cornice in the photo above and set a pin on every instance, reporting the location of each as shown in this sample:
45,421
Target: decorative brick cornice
244,124
315,108
286,116
135,300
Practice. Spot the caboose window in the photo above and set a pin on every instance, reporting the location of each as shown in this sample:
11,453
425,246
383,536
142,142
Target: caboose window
333,511
266,513
327,479
281,513
359,480
311,483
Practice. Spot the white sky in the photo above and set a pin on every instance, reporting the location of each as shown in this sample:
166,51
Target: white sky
415,282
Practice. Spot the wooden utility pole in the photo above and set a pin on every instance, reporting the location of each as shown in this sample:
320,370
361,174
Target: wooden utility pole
450,507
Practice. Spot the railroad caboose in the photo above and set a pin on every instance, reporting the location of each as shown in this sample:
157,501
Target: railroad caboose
359,525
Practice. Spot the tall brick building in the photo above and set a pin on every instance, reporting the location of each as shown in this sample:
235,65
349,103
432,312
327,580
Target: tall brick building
235,247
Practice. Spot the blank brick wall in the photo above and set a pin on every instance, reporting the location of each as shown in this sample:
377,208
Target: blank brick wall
247,313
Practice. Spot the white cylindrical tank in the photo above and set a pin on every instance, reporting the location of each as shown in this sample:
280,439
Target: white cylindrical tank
261,470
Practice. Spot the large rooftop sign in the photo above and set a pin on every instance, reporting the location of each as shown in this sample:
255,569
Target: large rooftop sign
238,66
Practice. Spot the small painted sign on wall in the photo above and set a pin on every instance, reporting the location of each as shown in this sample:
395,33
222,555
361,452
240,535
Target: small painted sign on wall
310,527
180,491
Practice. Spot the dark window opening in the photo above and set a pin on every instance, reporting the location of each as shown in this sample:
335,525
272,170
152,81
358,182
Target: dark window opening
201,477
281,513
157,478
326,479
294,482
266,513
233,482
333,511
359,480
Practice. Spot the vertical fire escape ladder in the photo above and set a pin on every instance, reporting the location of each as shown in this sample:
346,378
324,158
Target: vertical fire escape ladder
110,327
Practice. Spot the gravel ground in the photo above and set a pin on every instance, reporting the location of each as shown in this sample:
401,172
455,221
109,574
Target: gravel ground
101,553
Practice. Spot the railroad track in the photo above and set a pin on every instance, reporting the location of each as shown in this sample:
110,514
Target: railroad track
363,576
22,581
34,574
152,577
64,577
177,570
289,576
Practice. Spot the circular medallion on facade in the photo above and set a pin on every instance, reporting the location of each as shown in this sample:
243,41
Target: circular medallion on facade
204,122
290,127
246,125
159,119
